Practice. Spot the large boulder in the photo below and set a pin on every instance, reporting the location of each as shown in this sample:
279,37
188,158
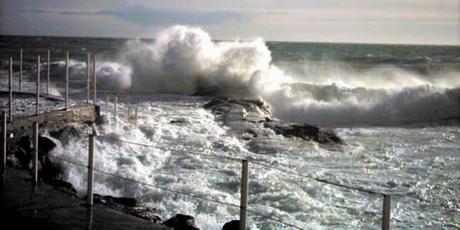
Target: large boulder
305,131
130,206
66,134
181,222
48,171
232,225
250,119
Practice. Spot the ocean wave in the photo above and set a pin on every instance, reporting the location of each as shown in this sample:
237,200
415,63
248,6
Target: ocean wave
184,60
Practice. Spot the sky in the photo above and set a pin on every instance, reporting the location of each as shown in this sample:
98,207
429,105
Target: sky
353,21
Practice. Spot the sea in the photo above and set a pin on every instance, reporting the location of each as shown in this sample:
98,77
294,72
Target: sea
397,107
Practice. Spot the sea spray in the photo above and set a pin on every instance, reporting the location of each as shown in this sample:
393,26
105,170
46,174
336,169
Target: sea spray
184,60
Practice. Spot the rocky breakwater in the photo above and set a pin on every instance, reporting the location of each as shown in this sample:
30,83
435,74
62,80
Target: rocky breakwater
250,119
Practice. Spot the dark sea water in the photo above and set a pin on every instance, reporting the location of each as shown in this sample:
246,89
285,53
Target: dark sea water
420,58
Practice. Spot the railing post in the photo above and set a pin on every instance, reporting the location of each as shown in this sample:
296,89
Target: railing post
89,191
115,102
88,78
94,79
107,101
48,73
129,113
244,194
4,143
35,157
10,91
20,71
37,93
135,116
386,212
66,80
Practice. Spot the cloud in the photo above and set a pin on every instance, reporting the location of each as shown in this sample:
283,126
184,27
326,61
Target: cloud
386,21
151,16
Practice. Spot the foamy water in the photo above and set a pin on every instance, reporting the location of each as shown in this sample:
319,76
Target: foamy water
419,163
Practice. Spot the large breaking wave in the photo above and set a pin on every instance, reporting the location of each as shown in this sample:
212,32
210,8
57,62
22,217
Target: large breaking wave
185,60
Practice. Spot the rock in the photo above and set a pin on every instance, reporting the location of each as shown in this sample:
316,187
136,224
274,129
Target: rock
250,118
64,186
45,145
181,222
232,225
23,152
66,134
129,206
229,109
49,171
304,131
121,201
179,120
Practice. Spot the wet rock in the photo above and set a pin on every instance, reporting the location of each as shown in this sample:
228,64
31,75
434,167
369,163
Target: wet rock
181,222
45,145
229,109
23,152
49,172
250,119
121,201
130,206
64,186
305,131
232,225
179,120
66,134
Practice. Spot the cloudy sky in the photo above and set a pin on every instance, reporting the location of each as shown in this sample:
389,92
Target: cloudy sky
358,21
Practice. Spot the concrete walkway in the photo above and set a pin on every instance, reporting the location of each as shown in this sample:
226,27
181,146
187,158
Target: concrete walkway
23,206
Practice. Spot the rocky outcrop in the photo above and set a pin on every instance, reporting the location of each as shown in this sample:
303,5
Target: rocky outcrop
232,225
129,206
252,118
181,222
49,171
305,131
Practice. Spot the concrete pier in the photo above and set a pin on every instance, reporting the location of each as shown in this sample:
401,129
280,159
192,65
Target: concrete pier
23,206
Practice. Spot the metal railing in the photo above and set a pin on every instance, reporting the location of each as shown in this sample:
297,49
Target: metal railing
132,118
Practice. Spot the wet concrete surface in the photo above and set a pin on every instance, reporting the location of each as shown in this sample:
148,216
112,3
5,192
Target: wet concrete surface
24,206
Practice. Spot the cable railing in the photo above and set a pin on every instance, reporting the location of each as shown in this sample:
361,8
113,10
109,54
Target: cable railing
386,197
178,192
251,161
132,118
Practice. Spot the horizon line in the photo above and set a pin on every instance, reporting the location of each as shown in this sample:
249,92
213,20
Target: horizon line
219,39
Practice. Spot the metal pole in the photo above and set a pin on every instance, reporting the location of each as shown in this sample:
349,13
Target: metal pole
88,79
115,102
386,212
48,73
94,79
10,89
4,136
67,80
89,191
129,113
135,116
35,159
20,71
244,194
107,101
37,93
